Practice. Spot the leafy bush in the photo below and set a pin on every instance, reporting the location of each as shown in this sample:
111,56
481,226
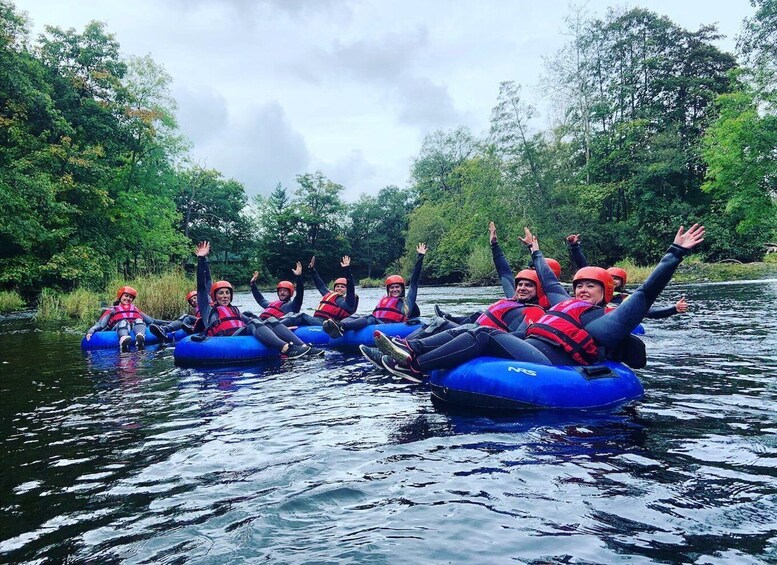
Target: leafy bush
10,301
370,283
480,266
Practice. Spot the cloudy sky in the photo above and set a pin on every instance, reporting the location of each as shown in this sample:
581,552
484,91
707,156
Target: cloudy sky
268,89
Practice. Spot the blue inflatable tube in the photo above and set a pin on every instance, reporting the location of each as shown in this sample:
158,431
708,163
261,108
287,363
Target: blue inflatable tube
500,384
315,335
221,350
110,339
230,350
639,330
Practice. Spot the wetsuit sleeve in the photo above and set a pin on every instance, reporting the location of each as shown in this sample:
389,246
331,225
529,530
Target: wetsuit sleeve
260,299
550,284
611,329
149,320
102,322
503,270
350,291
412,288
661,313
296,304
319,282
577,256
203,290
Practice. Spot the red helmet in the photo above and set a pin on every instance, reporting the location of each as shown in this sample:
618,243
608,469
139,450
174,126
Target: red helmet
190,295
395,279
599,275
341,280
618,272
555,266
126,290
530,275
288,285
221,284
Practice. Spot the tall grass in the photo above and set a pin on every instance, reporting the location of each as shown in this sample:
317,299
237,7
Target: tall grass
159,296
10,301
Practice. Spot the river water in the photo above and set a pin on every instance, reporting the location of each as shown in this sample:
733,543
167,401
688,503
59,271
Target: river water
110,457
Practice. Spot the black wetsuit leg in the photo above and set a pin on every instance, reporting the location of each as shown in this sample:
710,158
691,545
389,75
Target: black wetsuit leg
301,319
266,336
358,322
285,333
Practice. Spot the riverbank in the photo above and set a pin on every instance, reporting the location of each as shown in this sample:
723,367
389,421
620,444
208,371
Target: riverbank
164,294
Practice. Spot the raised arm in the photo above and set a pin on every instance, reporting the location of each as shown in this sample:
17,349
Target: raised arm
203,278
317,280
500,262
256,293
551,286
299,292
412,287
350,285
576,251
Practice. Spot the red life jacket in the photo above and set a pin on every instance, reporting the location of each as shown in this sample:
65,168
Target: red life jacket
273,309
328,308
561,326
229,321
389,309
494,316
121,312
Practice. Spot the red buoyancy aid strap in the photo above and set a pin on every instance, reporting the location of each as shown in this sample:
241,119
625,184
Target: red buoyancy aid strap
390,309
561,326
329,309
122,312
229,321
494,315
273,309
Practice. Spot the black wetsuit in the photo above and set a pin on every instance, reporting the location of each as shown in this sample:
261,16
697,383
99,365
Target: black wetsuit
274,336
406,302
611,332
349,302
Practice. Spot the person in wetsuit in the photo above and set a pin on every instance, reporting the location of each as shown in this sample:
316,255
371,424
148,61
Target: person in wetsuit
335,304
505,315
575,331
396,306
221,318
185,322
122,317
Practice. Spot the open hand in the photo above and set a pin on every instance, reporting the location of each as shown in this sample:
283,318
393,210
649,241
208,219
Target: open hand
203,249
691,238
492,232
298,269
421,249
312,264
529,240
255,277
346,262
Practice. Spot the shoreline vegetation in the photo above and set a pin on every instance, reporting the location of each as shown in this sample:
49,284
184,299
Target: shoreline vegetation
163,296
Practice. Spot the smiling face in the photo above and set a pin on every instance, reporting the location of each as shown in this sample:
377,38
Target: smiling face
283,294
394,290
590,291
193,302
126,299
618,282
525,290
223,297
340,289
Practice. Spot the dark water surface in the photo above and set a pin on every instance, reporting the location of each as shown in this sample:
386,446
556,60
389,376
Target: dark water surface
110,457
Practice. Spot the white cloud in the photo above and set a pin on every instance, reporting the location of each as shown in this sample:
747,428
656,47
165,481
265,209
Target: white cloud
259,150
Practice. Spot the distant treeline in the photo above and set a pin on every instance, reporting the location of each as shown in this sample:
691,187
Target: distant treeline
652,126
